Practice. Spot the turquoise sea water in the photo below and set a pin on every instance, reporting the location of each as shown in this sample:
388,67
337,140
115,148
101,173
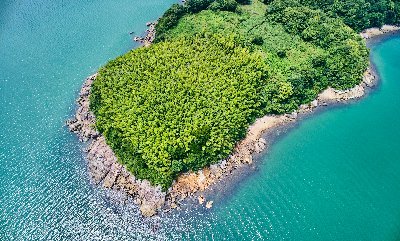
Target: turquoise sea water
333,177
336,176
47,48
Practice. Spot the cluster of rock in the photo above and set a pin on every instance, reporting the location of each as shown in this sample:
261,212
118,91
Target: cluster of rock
373,32
84,120
150,35
330,94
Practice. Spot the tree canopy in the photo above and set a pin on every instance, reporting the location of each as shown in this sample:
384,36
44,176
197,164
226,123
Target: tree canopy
177,105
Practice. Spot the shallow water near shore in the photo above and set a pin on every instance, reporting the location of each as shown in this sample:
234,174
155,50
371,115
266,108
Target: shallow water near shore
332,177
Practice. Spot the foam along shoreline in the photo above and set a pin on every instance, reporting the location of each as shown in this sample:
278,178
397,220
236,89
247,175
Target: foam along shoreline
105,170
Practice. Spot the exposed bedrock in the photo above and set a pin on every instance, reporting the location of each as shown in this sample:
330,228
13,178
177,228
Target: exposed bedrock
103,166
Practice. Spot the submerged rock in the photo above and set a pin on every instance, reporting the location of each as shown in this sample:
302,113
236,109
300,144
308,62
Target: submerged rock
150,35
147,210
314,103
292,115
259,147
209,204
201,199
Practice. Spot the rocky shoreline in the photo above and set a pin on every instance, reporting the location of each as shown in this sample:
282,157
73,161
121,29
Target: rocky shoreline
375,32
150,35
105,170
103,166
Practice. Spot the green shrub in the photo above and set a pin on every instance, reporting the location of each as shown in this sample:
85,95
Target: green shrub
243,2
348,54
257,40
224,5
359,14
278,6
169,20
346,64
267,1
172,16
195,6
281,54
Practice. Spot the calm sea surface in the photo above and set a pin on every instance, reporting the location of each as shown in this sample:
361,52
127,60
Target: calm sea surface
335,176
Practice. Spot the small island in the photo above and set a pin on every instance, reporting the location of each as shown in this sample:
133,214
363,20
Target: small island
172,118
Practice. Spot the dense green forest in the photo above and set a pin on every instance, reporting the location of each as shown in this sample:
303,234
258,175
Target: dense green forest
216,65
178,105
360,14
